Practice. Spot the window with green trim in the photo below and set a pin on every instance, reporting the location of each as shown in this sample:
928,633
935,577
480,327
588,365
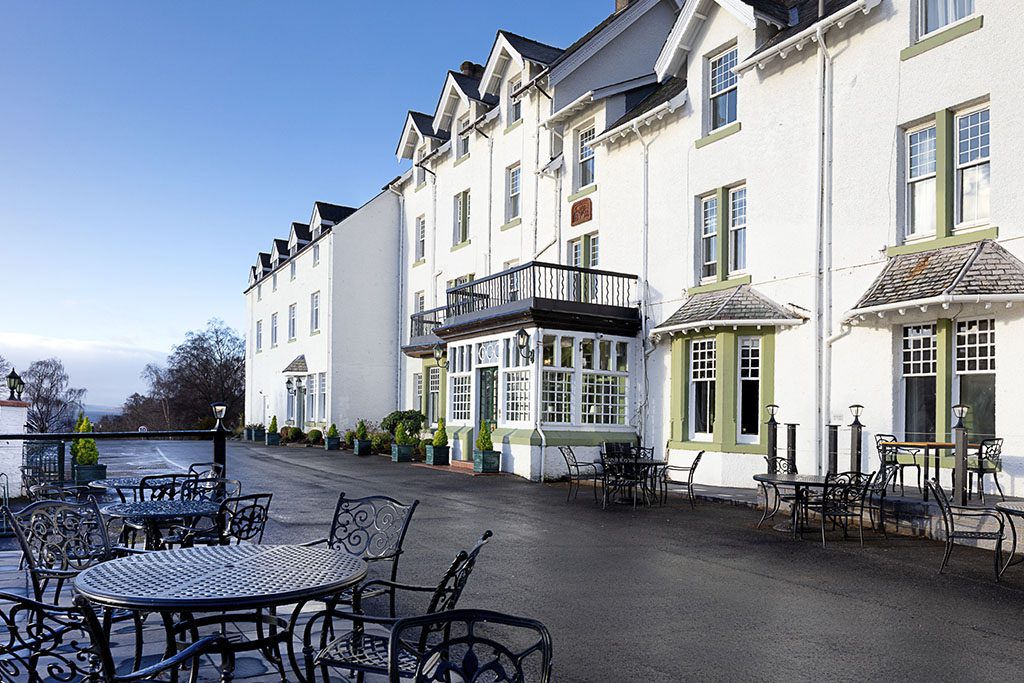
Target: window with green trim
709,238
935,15
748,390
702,380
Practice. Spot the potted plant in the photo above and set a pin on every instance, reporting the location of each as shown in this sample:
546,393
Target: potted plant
438,453
86,456
259,432
401,450
273,438
315,437
350,438
362,444
332,441
380,442
249,431
485,458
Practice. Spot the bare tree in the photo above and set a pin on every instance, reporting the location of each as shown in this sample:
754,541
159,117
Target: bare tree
5,367
55,403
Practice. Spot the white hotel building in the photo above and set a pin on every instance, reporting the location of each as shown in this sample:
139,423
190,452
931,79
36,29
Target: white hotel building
704,207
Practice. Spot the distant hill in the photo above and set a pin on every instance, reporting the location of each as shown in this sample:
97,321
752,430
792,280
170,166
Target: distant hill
94,413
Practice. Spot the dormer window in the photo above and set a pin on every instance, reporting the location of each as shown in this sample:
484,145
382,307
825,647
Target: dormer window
722,89
462,142
515,103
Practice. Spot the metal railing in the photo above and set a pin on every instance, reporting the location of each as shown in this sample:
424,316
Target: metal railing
423,323
542,281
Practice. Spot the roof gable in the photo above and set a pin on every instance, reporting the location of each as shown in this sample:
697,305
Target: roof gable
418,127
510,48
689,24
458,89
735,306
333,213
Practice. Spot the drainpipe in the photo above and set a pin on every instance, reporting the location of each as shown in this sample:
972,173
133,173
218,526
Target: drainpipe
402,314
538,368
490,200
645,223
823,257
433,239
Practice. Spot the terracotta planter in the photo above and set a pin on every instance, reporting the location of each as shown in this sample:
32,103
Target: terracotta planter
438,455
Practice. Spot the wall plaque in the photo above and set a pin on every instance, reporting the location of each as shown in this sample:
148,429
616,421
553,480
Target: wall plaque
582,211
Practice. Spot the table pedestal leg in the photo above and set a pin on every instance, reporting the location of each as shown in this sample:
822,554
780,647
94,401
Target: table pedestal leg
926,458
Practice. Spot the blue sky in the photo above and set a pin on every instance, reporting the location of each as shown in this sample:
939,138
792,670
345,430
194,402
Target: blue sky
150,149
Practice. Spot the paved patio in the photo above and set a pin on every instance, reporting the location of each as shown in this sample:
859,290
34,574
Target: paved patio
659,594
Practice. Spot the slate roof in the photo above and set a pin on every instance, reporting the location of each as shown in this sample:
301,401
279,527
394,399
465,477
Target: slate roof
531,49
982,268
663,93
586,38
738,303
806,16
333,212
263,259
776,9
471,86
302,232
297,365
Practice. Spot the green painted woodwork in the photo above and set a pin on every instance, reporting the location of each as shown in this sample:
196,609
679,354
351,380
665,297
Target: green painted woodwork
941,38
944,342
460,160
443,394
717,135
515,222
724,431
722,197
589,189
728,283
513,126
461,245
419,262
560,437
945,187
951,241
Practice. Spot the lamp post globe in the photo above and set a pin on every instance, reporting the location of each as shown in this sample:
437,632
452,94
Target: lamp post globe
12,383
960,411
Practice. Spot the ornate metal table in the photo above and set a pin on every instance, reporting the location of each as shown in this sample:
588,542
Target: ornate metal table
120,484
220,582
151,512
1011,510
799,482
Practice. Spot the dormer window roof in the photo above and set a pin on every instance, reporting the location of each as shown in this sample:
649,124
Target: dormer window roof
419,129
511,53
461,89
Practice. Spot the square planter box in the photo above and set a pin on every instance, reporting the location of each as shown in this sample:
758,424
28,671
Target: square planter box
272,439
401,453
362,446
259,434
86,473
438,455
249,432
332,443
486,461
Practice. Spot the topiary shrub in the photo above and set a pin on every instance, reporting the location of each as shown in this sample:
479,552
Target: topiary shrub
315,437
350,437
333,431
483,438
421,448
86,452
441,435
273,425
361,432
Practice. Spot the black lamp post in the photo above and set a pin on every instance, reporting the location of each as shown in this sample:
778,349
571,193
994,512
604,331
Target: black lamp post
960,411
220,433
219,410
13,384
523,345
856,440
440,356
773,437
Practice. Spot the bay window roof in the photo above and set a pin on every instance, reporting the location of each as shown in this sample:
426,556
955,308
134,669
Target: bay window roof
736,306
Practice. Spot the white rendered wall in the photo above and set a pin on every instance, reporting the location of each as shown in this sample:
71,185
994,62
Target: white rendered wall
12,421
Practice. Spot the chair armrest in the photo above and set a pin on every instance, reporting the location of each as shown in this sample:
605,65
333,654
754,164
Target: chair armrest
212,643
962,511
357,592
313,543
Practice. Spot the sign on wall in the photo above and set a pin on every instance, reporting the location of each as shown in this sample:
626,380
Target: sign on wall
582,211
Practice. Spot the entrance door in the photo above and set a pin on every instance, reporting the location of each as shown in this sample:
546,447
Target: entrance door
300,407
488,397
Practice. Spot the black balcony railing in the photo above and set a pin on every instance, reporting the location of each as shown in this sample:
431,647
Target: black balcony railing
424,323
542,281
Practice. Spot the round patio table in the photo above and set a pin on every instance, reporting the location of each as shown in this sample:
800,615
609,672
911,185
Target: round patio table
121,484
152,512
799,482
1011,510
229,585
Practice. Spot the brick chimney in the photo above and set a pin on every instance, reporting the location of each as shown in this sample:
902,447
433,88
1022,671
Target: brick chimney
472,69
621,4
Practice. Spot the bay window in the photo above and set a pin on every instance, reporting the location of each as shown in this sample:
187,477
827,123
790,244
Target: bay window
919,382
975,373
606,368
748,400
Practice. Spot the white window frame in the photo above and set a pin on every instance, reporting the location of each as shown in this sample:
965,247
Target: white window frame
992,359
586,164
417,391
706,343
273,282
722,91
513,192
742,343
419,301
736,230
959,169
421,171
314,312
463,130
259,336
705,236
608,387
316,255
421,238
292,311
292,268
922,17
321,411
259,292
433,394
310,415
273,330
461,209
909,231
515,104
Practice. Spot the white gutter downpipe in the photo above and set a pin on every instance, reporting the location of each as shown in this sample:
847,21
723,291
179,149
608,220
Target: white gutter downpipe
537,424
402,314
645,225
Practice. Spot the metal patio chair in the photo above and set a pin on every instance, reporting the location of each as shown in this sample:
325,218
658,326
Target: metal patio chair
365,650
163,486
889,455
460,644
206,470
988,461
579,472
688,472
245,519
372,528
43,642
842,502
67,493
951,514
874,498
620,477
213,489
781,495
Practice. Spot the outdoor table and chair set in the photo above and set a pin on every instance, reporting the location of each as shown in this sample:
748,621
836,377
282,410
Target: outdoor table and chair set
190,555
628,474
840,498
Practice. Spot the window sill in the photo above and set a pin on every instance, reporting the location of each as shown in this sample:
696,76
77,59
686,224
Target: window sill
461,159
511,127
419,262
292,341
461,245
716,135
965,236
420,186
582,192
515,222
716,447
943,36
314,333
719,285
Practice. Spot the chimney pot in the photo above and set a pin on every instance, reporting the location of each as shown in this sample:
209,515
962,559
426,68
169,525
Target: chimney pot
621,5
471,69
